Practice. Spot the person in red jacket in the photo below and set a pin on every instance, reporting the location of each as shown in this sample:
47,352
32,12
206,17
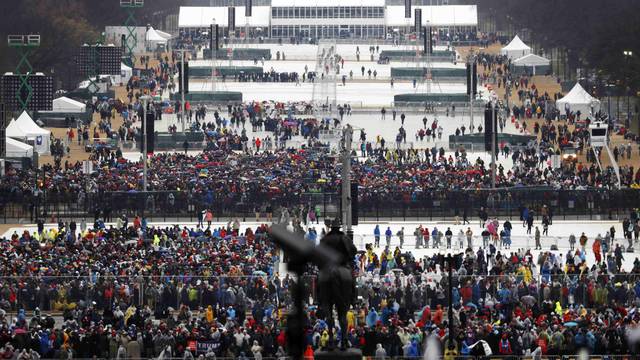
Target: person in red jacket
437,317
308,354
505,345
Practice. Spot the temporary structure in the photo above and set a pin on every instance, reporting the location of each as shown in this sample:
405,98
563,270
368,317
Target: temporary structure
516,49
154,38
126,73
532,64
165,35
18,149
66,105
25,129
578,100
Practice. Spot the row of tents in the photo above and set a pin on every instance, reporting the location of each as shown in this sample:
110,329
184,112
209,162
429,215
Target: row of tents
24,136
24,131
523,60
21,133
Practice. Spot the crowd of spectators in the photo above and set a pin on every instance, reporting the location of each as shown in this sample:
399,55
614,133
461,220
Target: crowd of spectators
134,290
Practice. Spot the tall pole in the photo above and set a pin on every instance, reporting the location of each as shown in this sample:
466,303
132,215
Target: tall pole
144,139
346,180
451,340
471,92
182,89
214,54
494,136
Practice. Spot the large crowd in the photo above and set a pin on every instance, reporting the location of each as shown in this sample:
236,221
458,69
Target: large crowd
132,290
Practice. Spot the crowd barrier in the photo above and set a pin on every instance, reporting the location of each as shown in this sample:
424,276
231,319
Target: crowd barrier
163,294
430,204
491,357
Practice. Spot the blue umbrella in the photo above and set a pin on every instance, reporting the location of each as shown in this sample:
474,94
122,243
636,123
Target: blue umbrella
571,324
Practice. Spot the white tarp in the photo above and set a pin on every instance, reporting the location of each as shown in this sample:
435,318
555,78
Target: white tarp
203,17
24,128
441,15
516,49
66,105
532,60
17,149
578,99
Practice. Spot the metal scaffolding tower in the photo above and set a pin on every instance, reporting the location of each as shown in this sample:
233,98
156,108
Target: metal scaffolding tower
94,66
24,44
131,39
425,61
325,82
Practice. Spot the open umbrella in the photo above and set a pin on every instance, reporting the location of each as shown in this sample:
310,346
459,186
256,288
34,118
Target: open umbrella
528,300
571,324
480,348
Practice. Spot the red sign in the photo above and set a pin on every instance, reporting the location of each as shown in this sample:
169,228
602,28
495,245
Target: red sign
191,345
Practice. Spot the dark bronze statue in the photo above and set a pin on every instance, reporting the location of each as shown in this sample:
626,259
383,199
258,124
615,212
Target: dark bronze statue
336,283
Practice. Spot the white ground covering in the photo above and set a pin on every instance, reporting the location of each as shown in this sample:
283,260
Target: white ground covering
558,235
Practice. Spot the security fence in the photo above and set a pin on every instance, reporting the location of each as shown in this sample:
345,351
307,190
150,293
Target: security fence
164,295
437,203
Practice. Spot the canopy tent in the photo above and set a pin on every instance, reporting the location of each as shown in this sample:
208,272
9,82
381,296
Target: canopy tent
126,73
18,149
516,49
24,128
165,35
202,17
437,15
66,105
578,99
532,64
154,37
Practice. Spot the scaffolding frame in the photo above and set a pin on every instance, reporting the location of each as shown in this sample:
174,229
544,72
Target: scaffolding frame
324,95
24,44
131,38
94,67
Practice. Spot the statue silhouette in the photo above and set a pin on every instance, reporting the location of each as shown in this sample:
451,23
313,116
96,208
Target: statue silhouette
336,283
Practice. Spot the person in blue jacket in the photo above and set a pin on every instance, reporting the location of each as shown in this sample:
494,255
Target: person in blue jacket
388,235
376,234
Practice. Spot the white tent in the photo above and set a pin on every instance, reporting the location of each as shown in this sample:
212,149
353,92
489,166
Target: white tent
536,65
437,15
532,60
24,128
578,100
126,73
153,37
66,105
17,149
165,35
516,49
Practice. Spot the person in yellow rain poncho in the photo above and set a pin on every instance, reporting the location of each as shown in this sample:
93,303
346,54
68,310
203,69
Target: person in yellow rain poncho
129,313
324,339
210,315
524,272
558,308
156,240
351,319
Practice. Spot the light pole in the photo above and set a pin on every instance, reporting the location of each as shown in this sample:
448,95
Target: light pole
182,81
346,181
494,135
627,55
145,103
